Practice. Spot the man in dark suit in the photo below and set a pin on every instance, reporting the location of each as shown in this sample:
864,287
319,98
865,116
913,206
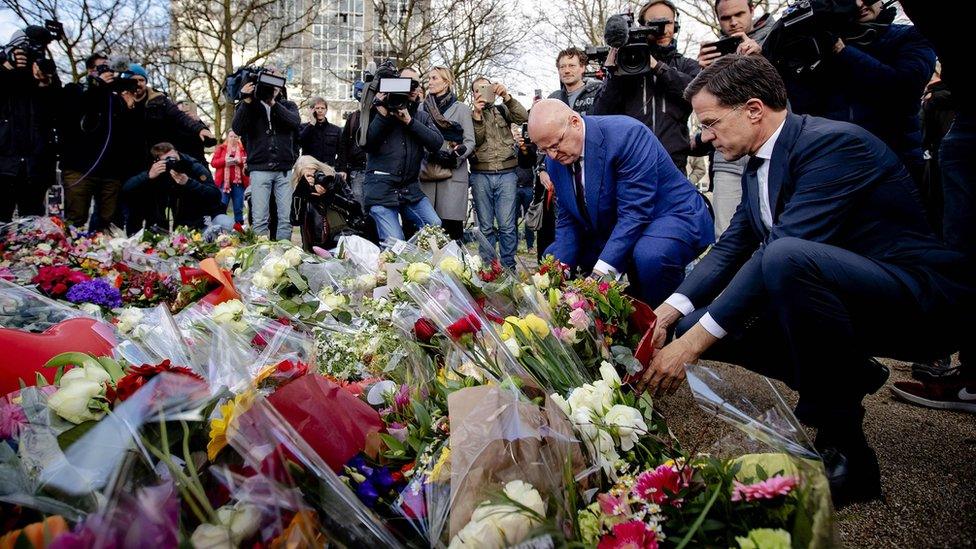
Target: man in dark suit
828,261
623,205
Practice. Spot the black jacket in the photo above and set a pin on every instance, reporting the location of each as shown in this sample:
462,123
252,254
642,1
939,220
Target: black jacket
191,202
26,126
585,101
270,146
85,116
321,140
656,99
396,151
351,157
163,121
877,86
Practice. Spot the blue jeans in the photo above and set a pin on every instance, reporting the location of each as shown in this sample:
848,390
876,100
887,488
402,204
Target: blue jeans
236,195
262,185
495,201
525,195
388,221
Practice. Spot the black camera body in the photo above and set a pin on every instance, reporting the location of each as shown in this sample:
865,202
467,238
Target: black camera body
398,91
635,43
33,41
123,81
807,32
177,165
326,181
264,80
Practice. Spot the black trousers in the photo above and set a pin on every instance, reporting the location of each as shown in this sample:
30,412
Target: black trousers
826,312
28,197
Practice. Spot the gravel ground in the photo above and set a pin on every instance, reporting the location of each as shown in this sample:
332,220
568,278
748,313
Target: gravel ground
926,459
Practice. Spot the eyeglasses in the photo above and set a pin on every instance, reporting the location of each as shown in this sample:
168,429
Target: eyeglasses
555,146
711,127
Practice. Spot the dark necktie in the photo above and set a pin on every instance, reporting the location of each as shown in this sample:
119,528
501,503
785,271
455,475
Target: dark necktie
752,187
580,191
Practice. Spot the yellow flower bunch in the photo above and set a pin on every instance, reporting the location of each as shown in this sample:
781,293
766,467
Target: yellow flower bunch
530,324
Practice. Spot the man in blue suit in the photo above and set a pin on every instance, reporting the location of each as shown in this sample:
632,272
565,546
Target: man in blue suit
828,261
623,205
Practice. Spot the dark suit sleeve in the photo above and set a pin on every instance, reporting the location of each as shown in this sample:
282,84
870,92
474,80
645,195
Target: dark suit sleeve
636,166
565,245
906,77
674,79
287,113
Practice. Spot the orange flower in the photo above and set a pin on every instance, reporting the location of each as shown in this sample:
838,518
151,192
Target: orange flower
38,535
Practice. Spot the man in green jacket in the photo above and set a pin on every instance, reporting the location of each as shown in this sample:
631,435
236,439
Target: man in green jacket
493,178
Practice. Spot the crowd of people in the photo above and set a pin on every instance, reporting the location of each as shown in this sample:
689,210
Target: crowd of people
840,201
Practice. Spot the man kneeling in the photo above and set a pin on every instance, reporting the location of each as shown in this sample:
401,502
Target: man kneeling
623,205
828,261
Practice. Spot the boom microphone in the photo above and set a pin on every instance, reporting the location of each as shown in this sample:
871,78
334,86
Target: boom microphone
617,31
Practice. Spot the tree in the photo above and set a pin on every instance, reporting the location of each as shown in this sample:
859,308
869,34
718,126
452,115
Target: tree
703,11
581,22
211,38
132,29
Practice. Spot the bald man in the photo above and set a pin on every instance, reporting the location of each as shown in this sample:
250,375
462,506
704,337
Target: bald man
623,205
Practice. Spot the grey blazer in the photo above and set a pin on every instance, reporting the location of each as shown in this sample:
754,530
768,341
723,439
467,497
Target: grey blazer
450,197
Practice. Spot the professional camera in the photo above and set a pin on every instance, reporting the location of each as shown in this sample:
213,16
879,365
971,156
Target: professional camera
635,44
597,56
326,181
397,92
33,41
123,81
449,159
265,82
177,165
808,30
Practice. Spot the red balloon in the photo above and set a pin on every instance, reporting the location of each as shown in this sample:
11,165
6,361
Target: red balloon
24,353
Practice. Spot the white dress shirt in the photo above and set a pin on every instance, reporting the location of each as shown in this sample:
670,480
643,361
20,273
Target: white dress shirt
681,302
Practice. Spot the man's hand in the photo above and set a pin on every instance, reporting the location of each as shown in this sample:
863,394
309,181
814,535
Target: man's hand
106,77
667,316
129,99
19,58
343,175
545,180
502,91
179,178
318,190
380,108
403,115
839,45
748,45
707,55
247,91
652,62
205,134
667,370
157,169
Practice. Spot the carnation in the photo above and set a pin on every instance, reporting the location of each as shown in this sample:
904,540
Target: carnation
770,488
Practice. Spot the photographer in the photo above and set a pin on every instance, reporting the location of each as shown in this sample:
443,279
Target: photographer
736,19
190,142
162,121
27,157
444,175
655,97
322,205
573,90
268,124
395,146
175,181
320,138
874,80
102,142
493,179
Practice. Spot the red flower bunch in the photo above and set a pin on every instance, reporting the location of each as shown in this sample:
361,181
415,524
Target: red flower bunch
492,273
634,534
660,485
467,324
55,281
140,375
424,329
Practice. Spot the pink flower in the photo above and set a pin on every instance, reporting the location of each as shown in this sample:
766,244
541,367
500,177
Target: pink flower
12,417
578,319
659,485
603,287
629,535
770,488
612,505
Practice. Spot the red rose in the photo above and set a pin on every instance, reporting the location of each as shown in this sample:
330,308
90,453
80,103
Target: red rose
424,329
465,325
140,375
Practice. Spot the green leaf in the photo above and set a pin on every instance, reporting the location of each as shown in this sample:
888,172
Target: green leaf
72,435
112,367
296,278
761,472
392,443
420,412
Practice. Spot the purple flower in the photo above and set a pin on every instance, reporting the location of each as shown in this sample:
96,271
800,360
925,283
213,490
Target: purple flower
12,417
381,479
97,292
367,493
402,398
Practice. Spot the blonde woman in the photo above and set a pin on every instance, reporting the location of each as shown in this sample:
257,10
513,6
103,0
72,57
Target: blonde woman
314,188
453,118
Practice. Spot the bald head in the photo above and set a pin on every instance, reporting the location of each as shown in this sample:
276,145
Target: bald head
557,130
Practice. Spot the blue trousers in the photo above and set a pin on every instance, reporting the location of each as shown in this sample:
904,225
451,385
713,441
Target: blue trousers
236,196
826,311
263,186
495,202
387,219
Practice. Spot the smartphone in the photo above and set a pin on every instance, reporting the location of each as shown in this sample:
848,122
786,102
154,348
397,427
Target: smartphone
487,92
726,46
538,93
55,201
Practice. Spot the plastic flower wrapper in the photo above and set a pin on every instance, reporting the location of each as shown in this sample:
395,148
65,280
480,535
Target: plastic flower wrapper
360,251
447,304
156,336
24,309
265,432
770,426
425,502
499,436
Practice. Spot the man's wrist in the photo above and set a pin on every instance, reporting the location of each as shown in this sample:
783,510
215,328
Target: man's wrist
698,340
667,315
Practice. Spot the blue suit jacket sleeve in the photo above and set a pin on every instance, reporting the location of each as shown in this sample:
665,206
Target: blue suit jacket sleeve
567,238
635,164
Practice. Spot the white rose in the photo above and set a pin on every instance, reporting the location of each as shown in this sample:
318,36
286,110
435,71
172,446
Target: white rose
629,424
478,534
540,281
128,319
230,314
276,267
475,262
609,374
293,256
597,397
380,391
262,281
209,536
242,519
331,301
561,402
602,396
90,308
526,495
226,256
90,373
72,399
450,264
418,272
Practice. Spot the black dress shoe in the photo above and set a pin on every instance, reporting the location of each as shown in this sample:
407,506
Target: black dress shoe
875,376
854,475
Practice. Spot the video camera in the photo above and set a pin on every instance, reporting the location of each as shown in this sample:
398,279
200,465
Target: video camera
808,30
33,41
596,55
397,92
264,79
635,44
123,81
